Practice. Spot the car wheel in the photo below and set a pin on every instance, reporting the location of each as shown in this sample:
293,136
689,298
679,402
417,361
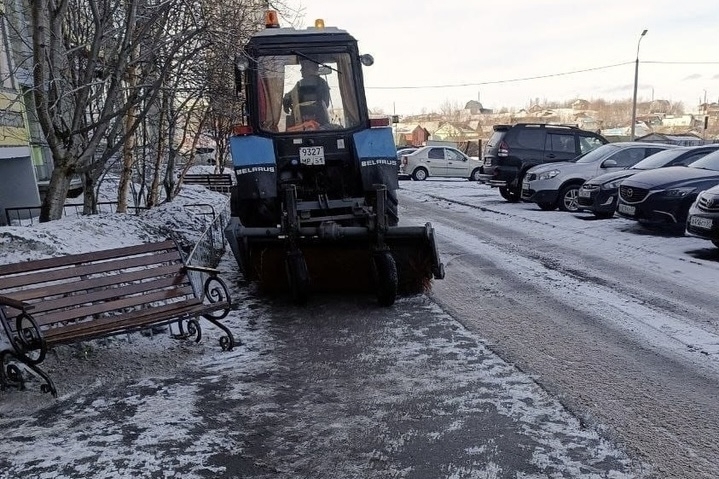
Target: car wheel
546,206
510,195
568,198
420,174
475,175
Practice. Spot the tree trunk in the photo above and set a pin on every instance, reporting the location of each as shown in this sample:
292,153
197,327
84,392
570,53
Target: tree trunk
53,204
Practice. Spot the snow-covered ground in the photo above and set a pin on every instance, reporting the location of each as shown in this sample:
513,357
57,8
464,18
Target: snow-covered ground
108,387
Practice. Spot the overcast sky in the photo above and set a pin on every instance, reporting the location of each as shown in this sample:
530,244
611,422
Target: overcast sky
487,45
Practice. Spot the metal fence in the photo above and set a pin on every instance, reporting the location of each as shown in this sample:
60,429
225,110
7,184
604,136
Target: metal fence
28,215
212,243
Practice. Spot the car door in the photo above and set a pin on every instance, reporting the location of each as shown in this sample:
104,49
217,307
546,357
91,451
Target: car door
436,161
560,146
457,163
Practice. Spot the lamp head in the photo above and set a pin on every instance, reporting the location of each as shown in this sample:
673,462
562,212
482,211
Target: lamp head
644,32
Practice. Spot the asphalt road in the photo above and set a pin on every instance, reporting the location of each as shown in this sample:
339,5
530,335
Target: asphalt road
594,319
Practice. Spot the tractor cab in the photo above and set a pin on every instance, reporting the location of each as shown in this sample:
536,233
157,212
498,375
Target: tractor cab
303,80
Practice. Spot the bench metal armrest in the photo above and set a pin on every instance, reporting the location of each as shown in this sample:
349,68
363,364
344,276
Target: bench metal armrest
203,269
14,303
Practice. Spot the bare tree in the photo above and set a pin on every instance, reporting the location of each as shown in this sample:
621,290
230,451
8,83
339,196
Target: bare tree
92,81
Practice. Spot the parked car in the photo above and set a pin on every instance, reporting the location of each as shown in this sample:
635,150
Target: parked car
400,153
440,161
703,216
599,194
204,155
663,196
513,149
557,184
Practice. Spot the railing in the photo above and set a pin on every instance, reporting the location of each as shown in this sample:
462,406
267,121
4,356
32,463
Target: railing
27,215
211,246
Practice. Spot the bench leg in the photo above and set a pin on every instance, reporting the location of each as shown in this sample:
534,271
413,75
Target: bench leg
11,374
192,329
227,342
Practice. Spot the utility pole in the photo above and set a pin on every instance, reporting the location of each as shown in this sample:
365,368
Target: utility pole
636,83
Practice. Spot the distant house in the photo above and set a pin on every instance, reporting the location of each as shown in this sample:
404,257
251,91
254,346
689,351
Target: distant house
475,108
660,106
679,139
587,122
410,135
452,131
579,105
686,121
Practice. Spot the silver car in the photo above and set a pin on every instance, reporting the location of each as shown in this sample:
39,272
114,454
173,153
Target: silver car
557,184
440,161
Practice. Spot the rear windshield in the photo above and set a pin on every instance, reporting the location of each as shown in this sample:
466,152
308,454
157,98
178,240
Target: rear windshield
494,139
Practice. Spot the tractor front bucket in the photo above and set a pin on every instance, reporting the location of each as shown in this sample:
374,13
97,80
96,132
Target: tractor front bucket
344,261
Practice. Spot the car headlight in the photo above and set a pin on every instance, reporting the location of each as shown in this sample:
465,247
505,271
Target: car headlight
547,175
678,192
612,185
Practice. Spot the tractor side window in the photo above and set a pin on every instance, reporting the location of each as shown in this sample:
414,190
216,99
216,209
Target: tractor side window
307,92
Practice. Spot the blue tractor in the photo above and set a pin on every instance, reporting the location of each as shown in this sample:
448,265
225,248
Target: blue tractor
315,202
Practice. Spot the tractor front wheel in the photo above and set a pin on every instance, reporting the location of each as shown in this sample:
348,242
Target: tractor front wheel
385,277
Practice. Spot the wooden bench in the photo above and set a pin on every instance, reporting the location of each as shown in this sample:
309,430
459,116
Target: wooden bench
214,182
68,299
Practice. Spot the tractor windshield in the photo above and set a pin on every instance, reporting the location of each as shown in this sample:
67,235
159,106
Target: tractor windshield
306,92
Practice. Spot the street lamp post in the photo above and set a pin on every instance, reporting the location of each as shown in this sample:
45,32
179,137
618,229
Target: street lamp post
636,84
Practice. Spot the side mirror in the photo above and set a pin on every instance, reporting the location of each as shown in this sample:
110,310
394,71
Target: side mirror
367,60
242,63
609,163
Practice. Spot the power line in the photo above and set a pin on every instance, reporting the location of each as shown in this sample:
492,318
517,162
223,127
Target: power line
515,80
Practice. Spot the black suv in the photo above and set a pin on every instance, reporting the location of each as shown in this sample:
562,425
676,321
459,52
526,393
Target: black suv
513,149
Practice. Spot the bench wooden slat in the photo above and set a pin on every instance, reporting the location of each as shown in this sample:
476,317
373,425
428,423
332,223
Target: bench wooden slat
109,306
74,270
224,179
48,263
138,318
98,282
93,295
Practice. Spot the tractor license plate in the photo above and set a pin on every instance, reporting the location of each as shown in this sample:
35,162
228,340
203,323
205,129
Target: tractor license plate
699,222
626,209
312,155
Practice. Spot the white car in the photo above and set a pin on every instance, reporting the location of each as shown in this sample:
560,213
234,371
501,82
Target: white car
440,161
553,185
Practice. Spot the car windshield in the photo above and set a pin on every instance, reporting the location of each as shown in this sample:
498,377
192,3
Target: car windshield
306,92
657,160
709,162
596,154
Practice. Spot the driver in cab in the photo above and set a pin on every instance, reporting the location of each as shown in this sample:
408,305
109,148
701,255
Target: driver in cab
307,103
